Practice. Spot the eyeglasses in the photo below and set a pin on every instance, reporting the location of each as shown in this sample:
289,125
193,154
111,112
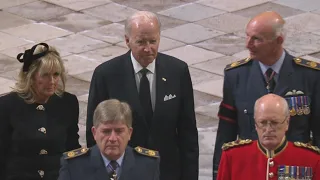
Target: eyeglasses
273,124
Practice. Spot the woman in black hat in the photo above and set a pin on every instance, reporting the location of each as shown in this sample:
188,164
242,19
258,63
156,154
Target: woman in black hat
38,119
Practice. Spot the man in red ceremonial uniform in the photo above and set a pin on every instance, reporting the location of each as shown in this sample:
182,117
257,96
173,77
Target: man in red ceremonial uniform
271,157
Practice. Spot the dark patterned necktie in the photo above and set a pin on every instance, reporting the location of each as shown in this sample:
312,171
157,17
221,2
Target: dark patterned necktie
145,96
271,83
112,168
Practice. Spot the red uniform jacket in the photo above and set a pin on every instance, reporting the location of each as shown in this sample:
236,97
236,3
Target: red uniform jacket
248,160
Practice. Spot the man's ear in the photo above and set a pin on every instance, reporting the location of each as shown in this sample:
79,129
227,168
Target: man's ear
93,131
287,122
127,40
130,132
280,40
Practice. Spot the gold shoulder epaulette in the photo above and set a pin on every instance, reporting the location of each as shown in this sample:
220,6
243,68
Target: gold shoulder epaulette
237,63
307,63
146,152
75,153
307,146
231,144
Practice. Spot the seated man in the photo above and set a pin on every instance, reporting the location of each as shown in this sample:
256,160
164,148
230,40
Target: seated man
271,156
111,158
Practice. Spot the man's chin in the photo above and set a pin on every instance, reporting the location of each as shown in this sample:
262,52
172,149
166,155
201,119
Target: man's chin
149,59
146,62
269,141
112,148
112,154
270,137
252,55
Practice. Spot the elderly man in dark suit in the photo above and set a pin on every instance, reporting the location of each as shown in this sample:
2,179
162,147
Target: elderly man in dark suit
111,158
269,69
159,90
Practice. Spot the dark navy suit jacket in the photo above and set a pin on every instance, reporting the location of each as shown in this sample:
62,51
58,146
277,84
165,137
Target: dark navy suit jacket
173,131
90,166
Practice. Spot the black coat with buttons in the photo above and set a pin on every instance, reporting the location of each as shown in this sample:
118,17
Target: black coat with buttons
34,136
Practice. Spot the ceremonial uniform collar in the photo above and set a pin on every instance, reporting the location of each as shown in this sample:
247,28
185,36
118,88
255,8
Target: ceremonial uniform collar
107,161
276,66
278,150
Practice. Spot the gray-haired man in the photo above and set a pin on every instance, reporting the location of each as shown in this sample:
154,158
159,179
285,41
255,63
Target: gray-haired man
111,157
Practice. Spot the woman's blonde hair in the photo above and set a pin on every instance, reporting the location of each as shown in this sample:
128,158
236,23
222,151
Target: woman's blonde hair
50,60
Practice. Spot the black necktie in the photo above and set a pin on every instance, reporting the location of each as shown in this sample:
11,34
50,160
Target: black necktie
271,83
145,96
111,168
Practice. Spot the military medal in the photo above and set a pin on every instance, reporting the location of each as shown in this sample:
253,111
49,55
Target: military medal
268,87
309,173
300,111
114,176
299,106
286,173
302,172
268,80
306,109
292,110
294,173
281,172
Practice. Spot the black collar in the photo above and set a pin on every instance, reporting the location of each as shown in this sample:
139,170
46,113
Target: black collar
272,153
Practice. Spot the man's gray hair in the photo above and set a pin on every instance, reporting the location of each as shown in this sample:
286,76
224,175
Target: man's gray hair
278,30
140,15
112,110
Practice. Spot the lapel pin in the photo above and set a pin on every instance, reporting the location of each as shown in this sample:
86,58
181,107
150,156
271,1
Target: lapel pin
164,79
43,130
40,108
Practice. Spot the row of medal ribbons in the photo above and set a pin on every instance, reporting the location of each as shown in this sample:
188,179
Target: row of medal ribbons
294,173
299,105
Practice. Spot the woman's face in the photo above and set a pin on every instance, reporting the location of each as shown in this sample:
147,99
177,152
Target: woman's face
46,84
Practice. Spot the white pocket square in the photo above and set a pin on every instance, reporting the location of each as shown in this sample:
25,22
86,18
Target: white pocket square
167,98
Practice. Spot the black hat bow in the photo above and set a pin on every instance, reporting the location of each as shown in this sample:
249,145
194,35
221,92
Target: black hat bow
29,57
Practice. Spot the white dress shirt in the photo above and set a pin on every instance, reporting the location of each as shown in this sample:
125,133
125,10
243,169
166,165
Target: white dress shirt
275,67
151,75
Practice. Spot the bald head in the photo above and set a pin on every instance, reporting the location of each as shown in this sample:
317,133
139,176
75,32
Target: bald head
269,17
271,114
272,102
139,18
269,22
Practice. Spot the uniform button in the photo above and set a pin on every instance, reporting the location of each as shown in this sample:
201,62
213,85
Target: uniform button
271,175
41,173
271,163
245,111
43,151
